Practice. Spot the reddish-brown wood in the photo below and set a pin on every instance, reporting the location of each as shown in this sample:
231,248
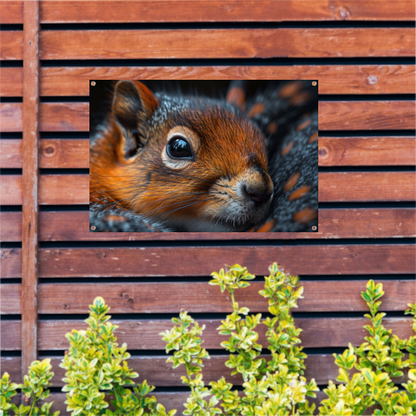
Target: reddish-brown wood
11,12
144,334
157,372
11,336
201,261
391,186
362,115
62,11
12,365
11,262
53,153
11,189
171,400
11,226
226,43
319,296
11,47
30,183
333,223
342,79
56,153
333,151
56,189
333,115
11,300
367,151
11,153
11,117
11,79
334,186
64,117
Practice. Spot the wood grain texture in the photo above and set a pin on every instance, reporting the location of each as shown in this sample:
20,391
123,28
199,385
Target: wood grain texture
11,12
11,336
340,79
205,11
11,262
157,372
11,79
333,115
319,296
333,151
391,186
333,224
333,187
30,182
11,117
144,334
170,400
11,153
226,43
11,48
53,153
53,189
367,151
201,261
11,299
64,153
363,115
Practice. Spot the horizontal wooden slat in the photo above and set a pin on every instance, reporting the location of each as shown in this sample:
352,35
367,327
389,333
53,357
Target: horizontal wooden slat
363,115
11,262
53,189
333,151
367,151
321,296
201,261
11,117
64,153
226,43
11,335
53,153
157,372
144,334
11,302
64,117
333,115
367,186
11,153
170,400
333,187
340,79
333,223
210,11
11,47
11,79
11,12
12,366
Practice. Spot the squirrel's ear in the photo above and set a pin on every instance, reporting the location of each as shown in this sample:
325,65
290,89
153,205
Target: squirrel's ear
133,104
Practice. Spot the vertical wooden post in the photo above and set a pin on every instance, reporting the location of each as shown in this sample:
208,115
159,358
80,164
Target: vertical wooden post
30,182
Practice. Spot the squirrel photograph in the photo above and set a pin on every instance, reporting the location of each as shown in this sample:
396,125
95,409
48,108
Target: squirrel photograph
204,156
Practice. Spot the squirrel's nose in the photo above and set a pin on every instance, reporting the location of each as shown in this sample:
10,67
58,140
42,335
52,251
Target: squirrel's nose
258,194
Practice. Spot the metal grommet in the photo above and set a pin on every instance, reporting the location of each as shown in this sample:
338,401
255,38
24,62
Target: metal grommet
93,83
93,227
314,227
314,83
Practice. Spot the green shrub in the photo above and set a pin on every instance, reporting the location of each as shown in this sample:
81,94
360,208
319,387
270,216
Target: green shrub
98,380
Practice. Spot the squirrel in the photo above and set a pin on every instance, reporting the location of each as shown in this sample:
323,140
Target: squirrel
166,162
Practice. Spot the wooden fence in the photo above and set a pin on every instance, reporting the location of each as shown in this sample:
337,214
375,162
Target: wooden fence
52,266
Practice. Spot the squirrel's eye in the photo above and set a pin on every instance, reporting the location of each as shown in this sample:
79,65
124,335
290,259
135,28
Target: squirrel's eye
179,148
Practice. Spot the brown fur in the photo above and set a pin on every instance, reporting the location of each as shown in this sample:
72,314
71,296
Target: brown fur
231,152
